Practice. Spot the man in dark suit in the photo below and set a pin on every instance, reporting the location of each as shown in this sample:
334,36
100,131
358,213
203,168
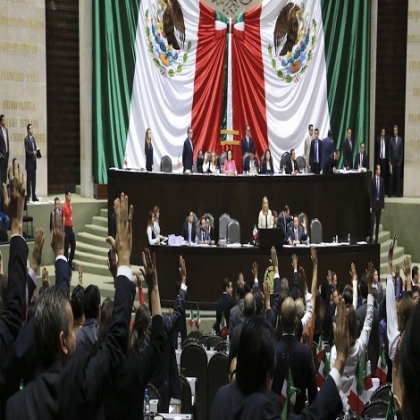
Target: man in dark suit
297,234
396,154
382,156
283,220
188,151
223,307
327,148
377,202
331,165
69,386
188,228
236,316
203,233
30,163
247,143
348,150
361,161
293,355
315,154
251,162
291,165
4,149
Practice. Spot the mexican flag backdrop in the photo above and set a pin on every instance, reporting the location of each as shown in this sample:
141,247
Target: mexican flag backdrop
278,67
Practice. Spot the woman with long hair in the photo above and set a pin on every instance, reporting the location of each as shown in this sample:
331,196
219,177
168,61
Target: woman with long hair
212,166
229,166
267,163
152,238
148,150
265,218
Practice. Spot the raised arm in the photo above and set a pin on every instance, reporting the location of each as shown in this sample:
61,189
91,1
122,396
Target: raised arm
367,325
353,274
271,314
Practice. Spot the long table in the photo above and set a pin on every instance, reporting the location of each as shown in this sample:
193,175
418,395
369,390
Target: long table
207,267
340,201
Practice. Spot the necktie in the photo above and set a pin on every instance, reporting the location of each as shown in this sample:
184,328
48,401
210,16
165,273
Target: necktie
377,188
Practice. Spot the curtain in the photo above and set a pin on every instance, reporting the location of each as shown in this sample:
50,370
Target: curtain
347,55
114,36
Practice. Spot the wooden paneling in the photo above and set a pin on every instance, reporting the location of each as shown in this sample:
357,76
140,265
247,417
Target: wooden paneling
63,108
391,65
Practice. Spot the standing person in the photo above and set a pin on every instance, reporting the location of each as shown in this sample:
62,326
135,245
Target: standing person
348,150
56,210
247,143
377,202
148,150
382,157
308,141
4,149
265,218
30,163
327,149
70,238
395,163
188,151
315,154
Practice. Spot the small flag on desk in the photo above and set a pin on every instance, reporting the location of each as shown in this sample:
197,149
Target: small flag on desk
191,320
255,232
223,327
198,319
382,368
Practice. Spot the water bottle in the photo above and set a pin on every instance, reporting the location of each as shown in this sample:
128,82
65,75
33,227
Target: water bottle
146,406
179,341
227,344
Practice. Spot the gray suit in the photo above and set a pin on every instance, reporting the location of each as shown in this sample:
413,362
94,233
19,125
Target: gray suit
236,316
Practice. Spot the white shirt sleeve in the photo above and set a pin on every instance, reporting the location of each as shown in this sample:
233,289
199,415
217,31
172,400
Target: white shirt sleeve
335,374
354,294
308,313
260,221
149,236
391,315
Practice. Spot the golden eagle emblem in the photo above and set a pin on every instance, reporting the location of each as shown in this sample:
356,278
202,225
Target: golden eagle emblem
287,24
173,24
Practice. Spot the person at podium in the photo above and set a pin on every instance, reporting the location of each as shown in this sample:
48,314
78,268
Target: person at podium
247,143
265,218
211,167
267,167
229,167
148,150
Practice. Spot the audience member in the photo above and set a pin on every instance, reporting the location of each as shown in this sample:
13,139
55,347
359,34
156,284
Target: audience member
148,151
30,163
223,307
396,155
382,156
188,151
203,233
327,149
348,150
297,233
199,163
315,154
361,161
152,237
283,220
229,167
236,316
247,143
308,140
377,202
331,165
211,167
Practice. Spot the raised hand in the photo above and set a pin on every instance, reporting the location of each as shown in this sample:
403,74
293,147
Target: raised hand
182,269
112,262
37,253
370,272
341,336
266,293
407,267
303,287
14,204
138,281
45,278
149,270
254,269
397,271
80,275
314,256
273,258
353,272
57,238
295,261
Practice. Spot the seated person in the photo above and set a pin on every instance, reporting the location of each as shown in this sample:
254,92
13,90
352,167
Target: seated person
267,163
229,167
361,161
265,218
199,162
251,163
203,233
212,233
188,229
291,165
211,166
331,165
297,234
152,237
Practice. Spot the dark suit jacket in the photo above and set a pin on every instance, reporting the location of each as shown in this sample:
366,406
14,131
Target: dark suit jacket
212,234
327,149
374,203
113,225
312,152
365,161
30,159
75,390
290,353
378,148
224,305
149,158
2,148
330,164
282,222
245,148
288,168
187,155
184,232
264,169
301,234
236,316
88,335
348,153
396,152
247,164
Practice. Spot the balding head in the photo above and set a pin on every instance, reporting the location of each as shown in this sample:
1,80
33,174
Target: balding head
288,315
300,308
249,305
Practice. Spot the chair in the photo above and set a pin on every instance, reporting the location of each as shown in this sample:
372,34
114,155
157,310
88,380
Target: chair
186,400
194,363
301,163
381,393
316,231
203,339
222,346
234,232
210,217
166,164
154,393
218,375
224,220
375,410
222,159
189,340
284,158
212,342
195,334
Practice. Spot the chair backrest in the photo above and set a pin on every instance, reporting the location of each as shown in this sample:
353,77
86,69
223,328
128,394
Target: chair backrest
195,334
213,341
154,393
376,409
203,339
381,393
166,164
222,159
224,220
221,346
316,231
284,158
210,217
189,340
218,375
234,232
194,363
186,400
301,163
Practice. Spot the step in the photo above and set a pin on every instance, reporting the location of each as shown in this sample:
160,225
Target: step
96,230
395,260
100,221
94,268
90,257
398,252
90,239
104,213
92,249
383,236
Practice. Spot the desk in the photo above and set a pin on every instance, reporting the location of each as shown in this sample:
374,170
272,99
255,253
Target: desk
341,201
207,267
